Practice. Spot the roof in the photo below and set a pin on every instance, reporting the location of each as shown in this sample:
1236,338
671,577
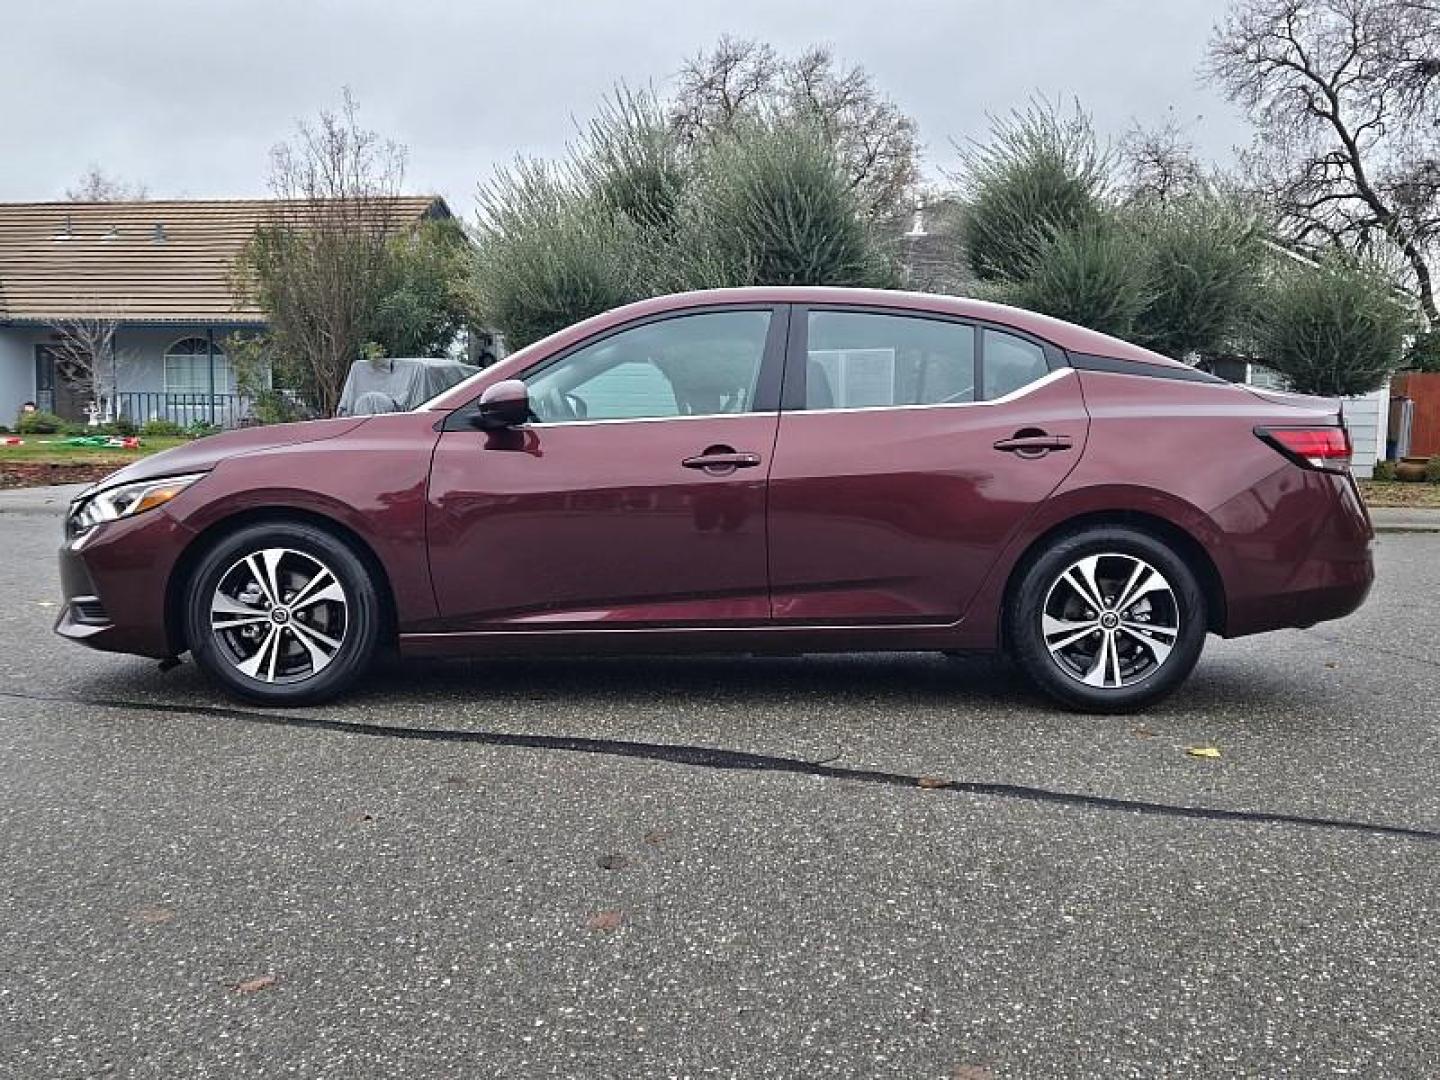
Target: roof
160,261
1068,336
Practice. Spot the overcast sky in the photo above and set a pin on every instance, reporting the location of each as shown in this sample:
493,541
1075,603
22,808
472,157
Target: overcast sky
187,96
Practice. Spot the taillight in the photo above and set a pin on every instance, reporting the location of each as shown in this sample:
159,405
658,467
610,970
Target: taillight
1325,448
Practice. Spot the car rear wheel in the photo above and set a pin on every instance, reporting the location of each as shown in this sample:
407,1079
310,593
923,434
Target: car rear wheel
283,614
1108,619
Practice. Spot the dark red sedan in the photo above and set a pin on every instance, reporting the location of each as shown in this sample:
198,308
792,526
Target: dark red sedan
755,470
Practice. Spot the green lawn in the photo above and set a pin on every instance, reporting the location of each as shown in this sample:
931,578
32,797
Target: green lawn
52,448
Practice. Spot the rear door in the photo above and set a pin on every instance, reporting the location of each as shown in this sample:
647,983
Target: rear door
911,447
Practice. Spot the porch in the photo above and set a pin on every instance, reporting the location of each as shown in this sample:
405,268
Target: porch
215,410
175,373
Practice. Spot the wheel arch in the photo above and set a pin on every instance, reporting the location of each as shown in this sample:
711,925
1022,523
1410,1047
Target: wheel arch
1207,574
217,530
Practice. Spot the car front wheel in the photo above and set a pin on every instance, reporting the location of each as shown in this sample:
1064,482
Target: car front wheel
282,614
1108,619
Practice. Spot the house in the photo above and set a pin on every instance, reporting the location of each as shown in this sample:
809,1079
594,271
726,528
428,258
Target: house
157,275
931,253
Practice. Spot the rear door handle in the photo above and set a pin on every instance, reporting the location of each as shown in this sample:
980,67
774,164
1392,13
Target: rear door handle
719,460
1034,444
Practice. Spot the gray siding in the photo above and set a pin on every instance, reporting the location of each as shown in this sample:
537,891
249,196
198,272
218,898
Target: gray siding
17,373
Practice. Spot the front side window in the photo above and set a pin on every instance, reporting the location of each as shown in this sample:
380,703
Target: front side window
187,368
859,360
692,365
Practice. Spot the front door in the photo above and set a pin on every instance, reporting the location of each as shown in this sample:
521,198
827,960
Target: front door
910,450
53,393
635,498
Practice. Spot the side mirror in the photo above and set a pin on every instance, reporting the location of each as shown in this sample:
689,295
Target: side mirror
506,404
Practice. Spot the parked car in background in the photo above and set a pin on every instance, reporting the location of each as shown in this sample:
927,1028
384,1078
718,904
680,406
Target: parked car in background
398,383
753,470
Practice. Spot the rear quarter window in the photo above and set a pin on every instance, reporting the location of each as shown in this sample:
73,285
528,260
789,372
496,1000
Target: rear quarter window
1011,363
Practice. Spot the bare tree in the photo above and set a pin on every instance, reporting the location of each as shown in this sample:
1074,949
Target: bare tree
317,265
84,353
1158,165
877,143
717,87
95,185
1345,93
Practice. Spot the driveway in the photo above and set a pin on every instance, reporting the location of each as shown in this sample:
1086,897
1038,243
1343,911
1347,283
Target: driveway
879,865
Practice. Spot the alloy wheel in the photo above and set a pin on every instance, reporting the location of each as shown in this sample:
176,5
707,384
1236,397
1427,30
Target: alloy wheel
1110,620
279,615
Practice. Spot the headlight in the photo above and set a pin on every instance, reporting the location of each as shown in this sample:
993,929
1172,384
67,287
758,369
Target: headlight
126,500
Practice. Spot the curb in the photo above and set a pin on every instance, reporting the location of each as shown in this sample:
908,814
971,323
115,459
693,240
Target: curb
48,501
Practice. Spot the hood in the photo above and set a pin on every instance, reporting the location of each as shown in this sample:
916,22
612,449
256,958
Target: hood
204,454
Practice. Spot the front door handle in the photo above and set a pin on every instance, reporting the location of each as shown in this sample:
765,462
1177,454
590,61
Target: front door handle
719,460
1030,443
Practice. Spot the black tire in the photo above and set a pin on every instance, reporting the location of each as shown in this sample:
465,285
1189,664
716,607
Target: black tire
305,669
1062,675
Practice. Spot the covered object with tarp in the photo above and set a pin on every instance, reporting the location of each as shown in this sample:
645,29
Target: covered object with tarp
398,384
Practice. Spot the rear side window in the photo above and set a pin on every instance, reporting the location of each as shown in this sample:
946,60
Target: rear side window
1010,363
859,360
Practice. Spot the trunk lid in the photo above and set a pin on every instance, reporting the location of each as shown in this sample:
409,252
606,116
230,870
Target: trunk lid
1310,407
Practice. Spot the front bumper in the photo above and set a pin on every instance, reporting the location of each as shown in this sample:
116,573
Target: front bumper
115,584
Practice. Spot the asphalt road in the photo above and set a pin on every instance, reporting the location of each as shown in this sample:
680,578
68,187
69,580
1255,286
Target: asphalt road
722,866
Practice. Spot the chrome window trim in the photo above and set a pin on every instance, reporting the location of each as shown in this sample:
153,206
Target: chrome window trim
538,424
1028,388
1053,376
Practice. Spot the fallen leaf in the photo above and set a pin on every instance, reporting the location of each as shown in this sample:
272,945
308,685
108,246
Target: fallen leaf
259,982
605,920
932,782
612,862
971,1072
1332,663
360,818
1203,751
153,914
656,836
1144,732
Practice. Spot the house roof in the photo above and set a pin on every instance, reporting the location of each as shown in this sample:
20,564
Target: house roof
160,261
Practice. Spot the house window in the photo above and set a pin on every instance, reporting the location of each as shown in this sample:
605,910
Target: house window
187,368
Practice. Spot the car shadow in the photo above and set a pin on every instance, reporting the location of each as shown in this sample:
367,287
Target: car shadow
902,678
980,683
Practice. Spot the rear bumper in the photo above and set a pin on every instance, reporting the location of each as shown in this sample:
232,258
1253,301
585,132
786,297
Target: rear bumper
1312,562
1344,592
115,583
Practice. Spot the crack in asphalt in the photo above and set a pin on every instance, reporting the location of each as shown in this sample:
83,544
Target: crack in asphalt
742,760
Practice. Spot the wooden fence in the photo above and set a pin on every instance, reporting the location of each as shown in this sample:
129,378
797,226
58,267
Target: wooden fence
1424,390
